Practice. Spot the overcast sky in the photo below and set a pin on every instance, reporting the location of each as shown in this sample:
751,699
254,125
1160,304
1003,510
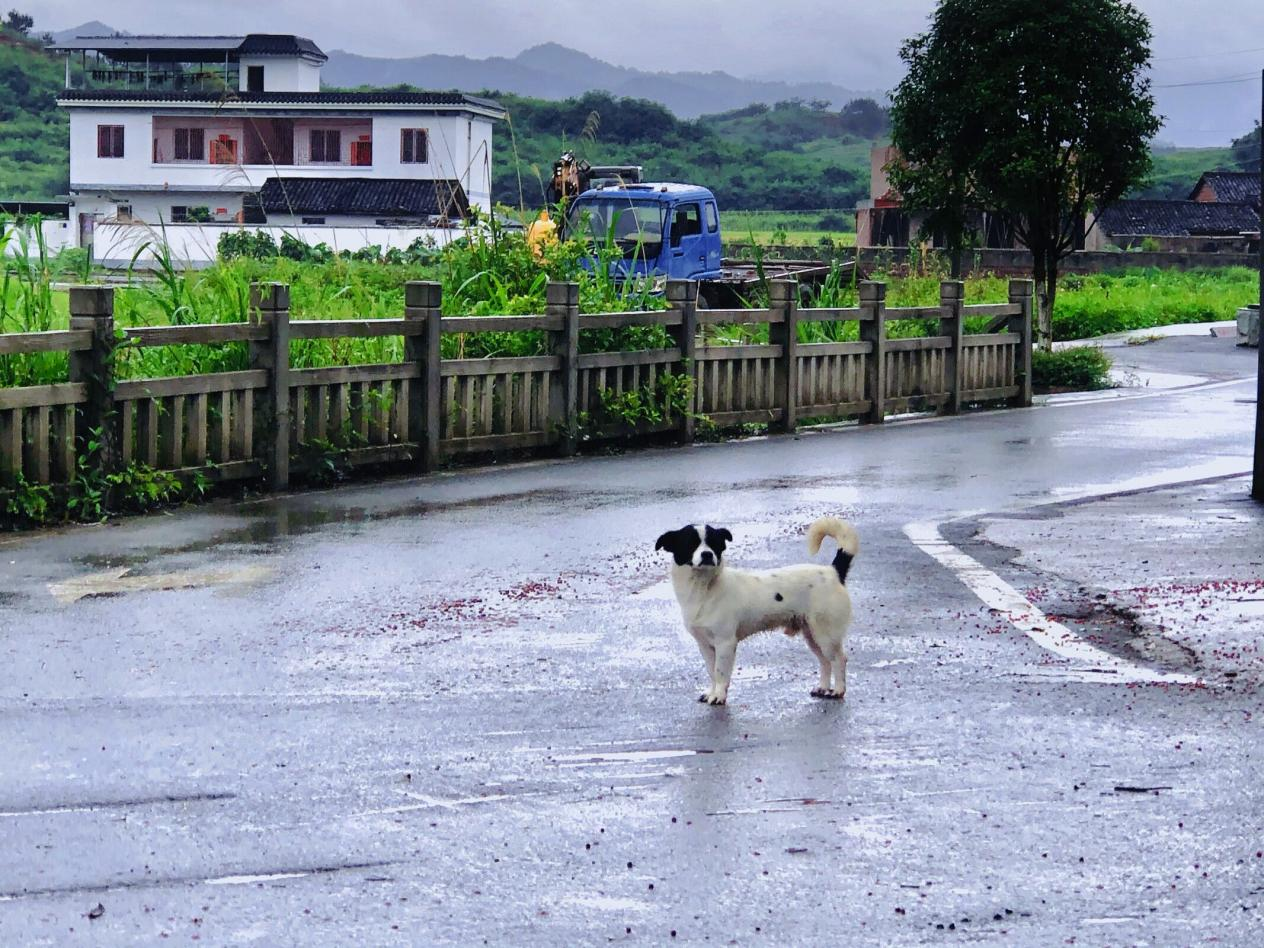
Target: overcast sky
852,42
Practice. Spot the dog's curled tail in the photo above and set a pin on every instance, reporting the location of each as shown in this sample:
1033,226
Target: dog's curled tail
844,535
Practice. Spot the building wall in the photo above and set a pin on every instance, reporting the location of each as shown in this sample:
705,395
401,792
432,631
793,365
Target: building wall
196,244
136,165
283,73
459,147
57,236
879,158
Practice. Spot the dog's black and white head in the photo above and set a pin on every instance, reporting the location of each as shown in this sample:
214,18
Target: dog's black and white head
701,547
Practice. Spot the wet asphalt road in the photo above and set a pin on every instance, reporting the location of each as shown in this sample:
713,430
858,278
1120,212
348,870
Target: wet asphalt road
461,709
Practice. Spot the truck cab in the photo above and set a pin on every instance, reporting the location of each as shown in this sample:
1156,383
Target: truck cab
659,230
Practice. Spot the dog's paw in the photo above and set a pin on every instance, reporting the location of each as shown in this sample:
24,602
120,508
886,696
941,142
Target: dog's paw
827,694
714,700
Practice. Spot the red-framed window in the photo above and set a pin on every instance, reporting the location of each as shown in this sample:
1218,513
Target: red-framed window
109,141
414,146
326,145
190,144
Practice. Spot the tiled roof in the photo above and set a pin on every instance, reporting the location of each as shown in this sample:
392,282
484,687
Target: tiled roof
1178,219
1232,187
389,197
448,99
279,44
127,48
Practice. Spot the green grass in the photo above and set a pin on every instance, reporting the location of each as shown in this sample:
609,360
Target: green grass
1079,368
483,273
1141,299
789,228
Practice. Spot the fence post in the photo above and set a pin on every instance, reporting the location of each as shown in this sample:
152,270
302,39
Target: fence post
423,302
783,300
270,306
563,302
951,295
682,295
92,308
1022,292
873,330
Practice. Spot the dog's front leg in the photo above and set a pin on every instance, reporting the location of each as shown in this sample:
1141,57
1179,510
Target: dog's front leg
725,654
708,656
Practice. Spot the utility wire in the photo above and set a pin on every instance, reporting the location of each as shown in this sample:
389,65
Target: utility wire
1250,77
1231,52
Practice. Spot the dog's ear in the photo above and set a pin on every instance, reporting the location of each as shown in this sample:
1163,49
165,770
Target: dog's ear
667,541
718,537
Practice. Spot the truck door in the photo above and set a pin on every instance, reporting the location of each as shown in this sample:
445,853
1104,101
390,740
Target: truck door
688,249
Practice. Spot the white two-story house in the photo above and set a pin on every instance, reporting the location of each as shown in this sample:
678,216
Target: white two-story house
236,130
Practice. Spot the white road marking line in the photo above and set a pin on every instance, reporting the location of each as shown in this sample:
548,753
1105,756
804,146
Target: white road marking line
247,880
1053,636
1116,395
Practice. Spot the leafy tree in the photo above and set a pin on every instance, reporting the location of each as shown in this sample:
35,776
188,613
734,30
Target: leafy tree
1246,150
864,118
19,23
1038,112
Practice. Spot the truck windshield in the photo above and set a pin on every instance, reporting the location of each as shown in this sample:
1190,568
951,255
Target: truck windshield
636,228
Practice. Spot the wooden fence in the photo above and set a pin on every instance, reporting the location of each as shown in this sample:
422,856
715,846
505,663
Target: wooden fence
259,422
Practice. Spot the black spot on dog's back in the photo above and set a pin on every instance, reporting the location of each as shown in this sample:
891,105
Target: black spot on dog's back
779,597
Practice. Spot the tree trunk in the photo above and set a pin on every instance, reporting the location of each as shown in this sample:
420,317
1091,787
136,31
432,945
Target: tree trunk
1045,273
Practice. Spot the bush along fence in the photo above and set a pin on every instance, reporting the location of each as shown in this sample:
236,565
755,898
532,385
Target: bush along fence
271,420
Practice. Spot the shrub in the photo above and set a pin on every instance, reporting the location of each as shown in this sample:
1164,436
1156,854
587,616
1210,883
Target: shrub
253,245
1080,368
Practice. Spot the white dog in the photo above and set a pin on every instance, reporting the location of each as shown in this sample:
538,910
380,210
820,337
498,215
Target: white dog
722,606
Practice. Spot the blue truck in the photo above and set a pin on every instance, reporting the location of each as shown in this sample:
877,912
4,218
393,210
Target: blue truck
664,231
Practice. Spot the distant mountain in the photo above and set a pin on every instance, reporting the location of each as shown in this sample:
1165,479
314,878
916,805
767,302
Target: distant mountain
91,28
552,71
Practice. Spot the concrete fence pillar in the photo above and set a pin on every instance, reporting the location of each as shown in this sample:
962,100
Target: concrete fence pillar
873,330
423,304
563,303
270,306
783,300
682,296
97,419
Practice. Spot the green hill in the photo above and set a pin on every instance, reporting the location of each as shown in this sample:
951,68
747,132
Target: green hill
34,162
794,156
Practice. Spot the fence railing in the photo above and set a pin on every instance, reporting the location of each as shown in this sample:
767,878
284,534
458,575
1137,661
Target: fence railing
262,421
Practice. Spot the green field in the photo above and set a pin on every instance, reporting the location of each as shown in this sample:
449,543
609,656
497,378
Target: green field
789,228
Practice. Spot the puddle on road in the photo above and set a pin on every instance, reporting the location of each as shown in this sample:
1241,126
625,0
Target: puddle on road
118,582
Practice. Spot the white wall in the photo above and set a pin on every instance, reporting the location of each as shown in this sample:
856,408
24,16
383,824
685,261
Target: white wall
283,73
195,245
58,235
135,167
449,153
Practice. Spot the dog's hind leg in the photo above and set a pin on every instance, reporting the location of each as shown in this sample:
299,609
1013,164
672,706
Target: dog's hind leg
833,664
824,684
840,671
